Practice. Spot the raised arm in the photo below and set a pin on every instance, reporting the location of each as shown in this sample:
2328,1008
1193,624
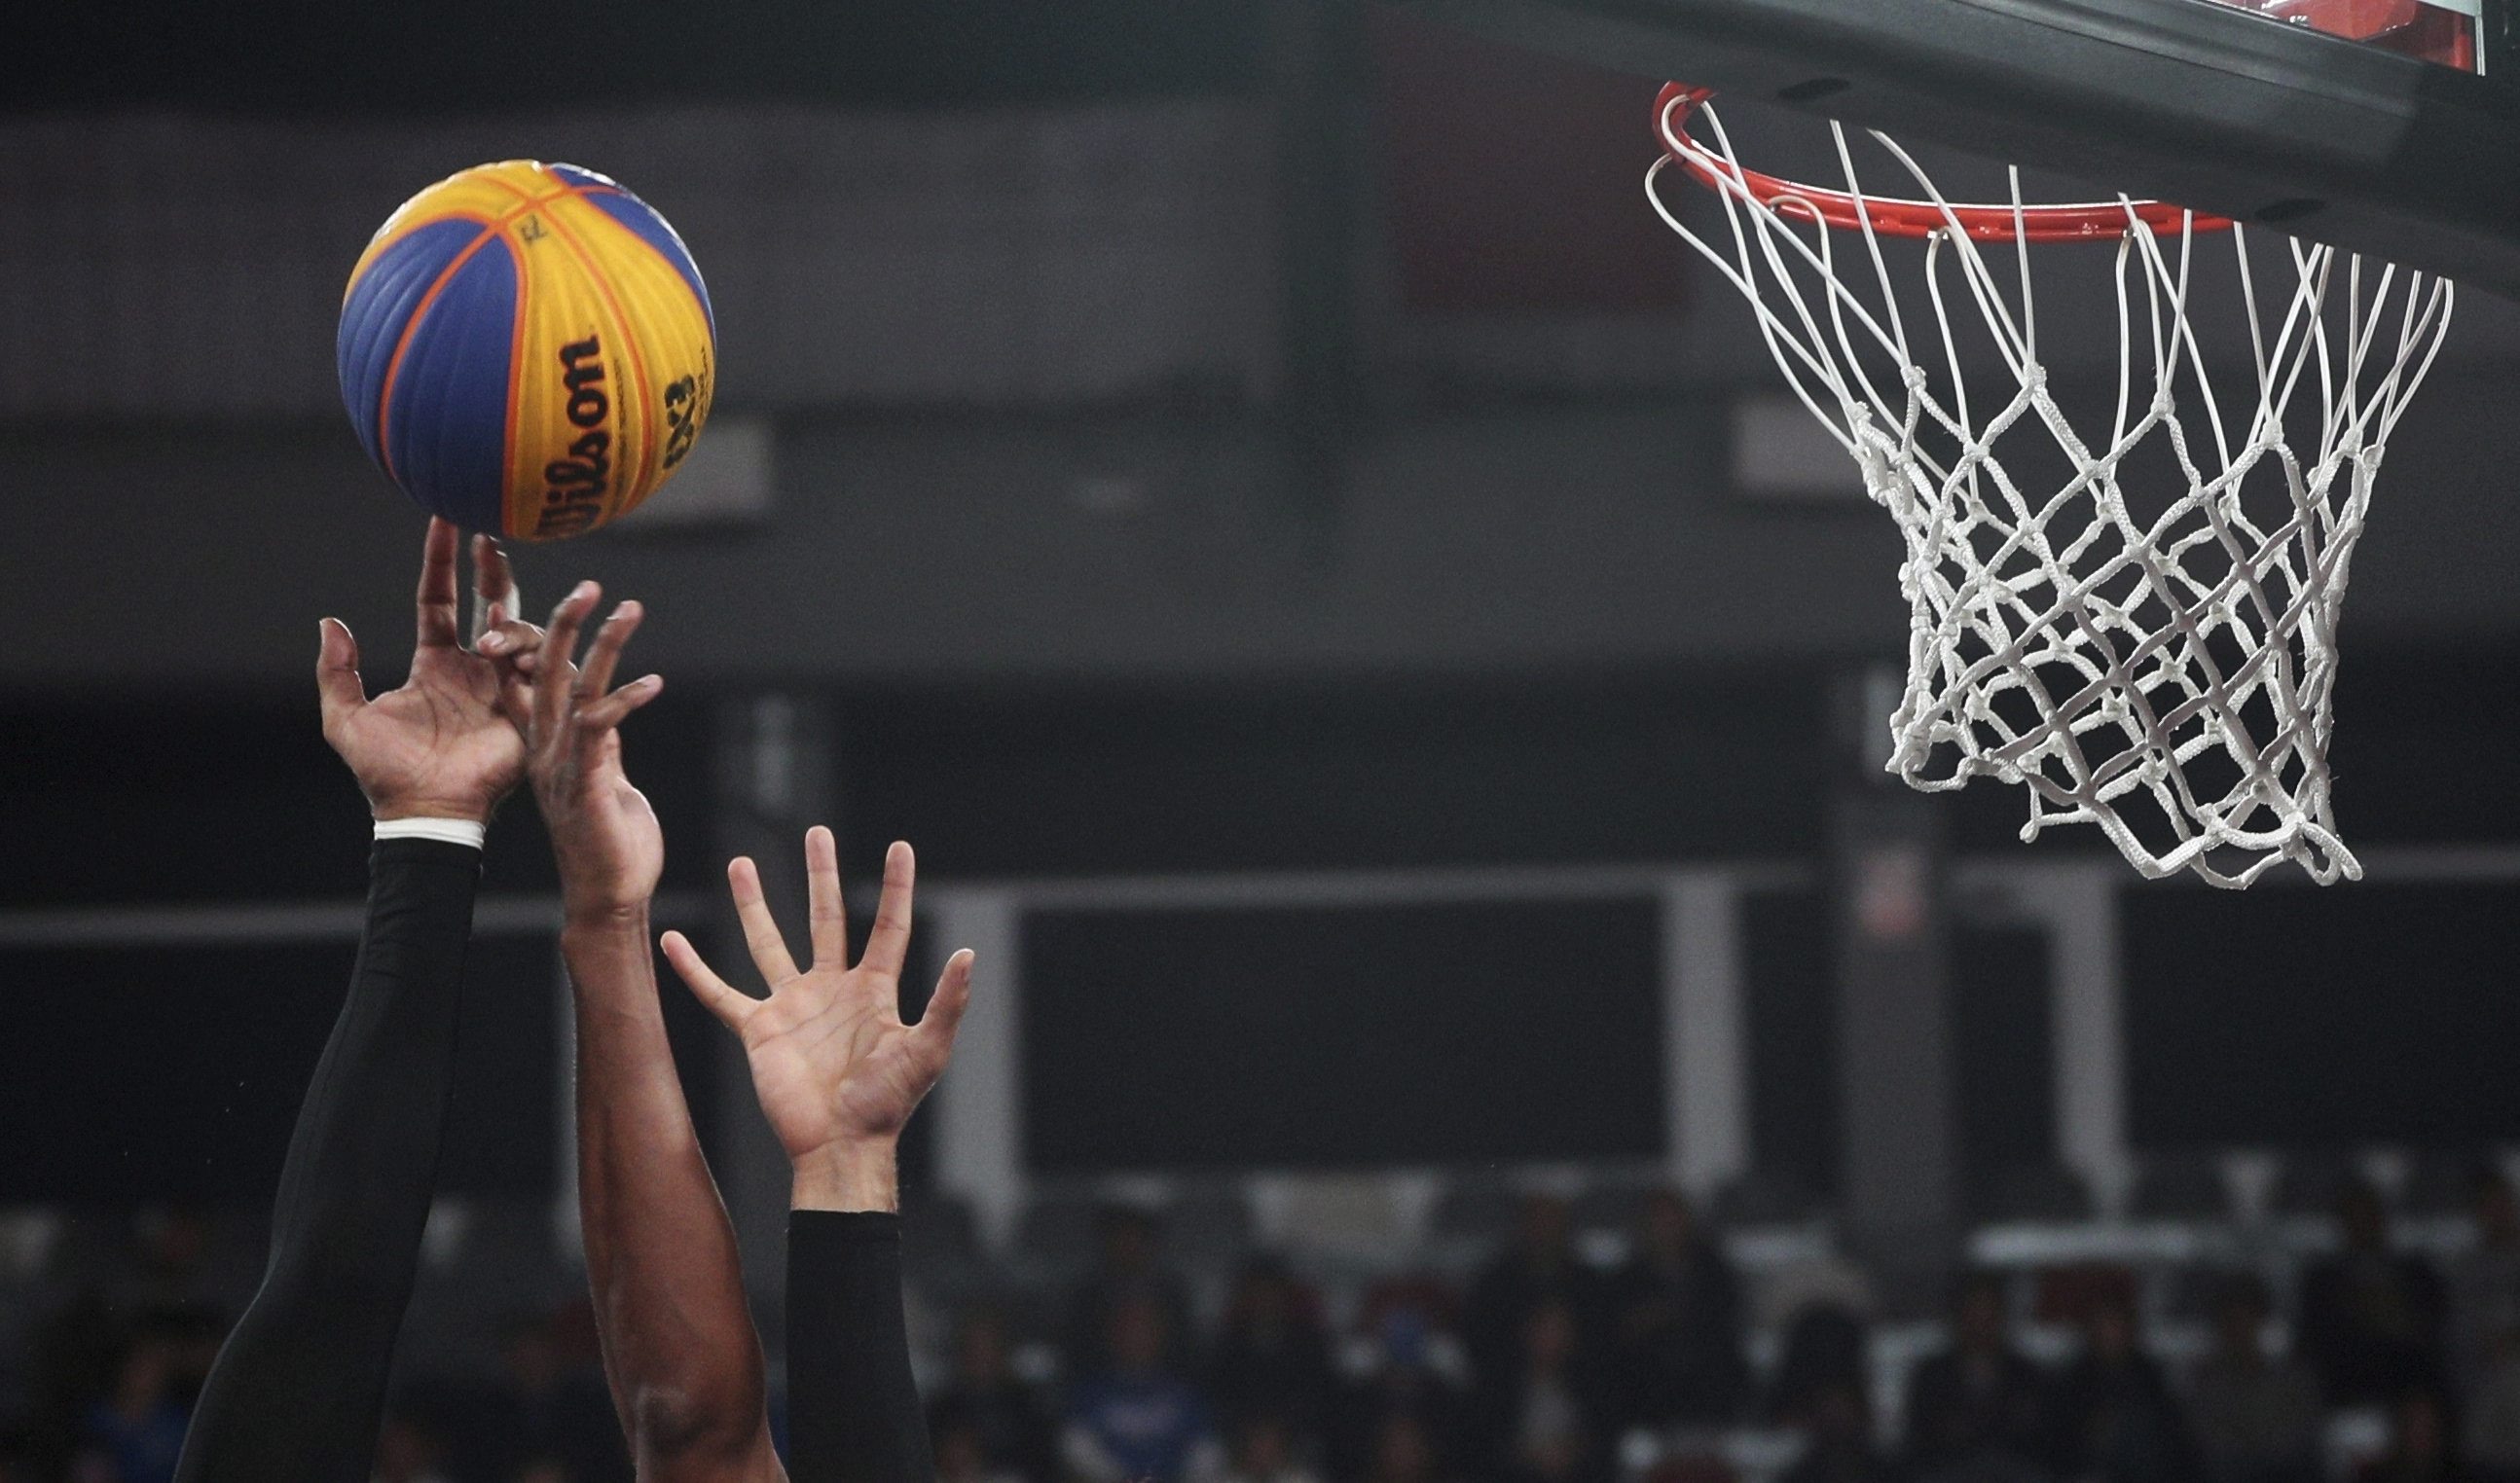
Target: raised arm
679,1347
838,1074
298,1390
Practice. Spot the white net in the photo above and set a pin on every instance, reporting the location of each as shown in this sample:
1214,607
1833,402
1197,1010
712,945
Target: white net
2136,619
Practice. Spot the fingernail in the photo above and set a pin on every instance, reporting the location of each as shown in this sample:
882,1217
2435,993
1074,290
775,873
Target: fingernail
492,643
581,590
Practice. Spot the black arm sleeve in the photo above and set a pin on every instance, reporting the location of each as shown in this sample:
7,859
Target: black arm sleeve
853,1413
297,1394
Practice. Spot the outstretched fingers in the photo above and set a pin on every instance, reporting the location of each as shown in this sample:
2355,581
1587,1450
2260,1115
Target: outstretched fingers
598,708
515,649
509,639
336,673
436,596
552,678
595,675
494,588
937,1027
597,720
760,930
888,942
827,913
730,1005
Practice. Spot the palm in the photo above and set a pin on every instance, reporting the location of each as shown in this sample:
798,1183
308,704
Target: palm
446,742
831,1060
609,847
832,1064
602,827
439,738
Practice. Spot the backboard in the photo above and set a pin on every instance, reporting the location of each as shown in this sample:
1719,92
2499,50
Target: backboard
2389,128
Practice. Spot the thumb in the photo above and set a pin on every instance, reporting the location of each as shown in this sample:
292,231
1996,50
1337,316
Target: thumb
337,672
936,1027
730,1005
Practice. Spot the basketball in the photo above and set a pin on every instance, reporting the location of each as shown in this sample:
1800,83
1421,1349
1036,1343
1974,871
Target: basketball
526,349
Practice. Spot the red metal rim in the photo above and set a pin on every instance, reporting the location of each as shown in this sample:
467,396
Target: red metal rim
1891,216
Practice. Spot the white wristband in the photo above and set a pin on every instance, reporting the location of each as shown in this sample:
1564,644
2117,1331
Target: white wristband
446,830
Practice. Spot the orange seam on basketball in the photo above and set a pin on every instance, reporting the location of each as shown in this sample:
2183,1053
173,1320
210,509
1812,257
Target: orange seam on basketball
402,344
522,317
419,311
638,393
630,343
379,242
595,275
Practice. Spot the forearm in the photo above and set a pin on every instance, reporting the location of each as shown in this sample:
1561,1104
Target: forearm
679,1348
853,1412
298,1390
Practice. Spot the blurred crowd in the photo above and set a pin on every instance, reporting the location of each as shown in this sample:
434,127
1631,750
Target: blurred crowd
99,1386
1541,1362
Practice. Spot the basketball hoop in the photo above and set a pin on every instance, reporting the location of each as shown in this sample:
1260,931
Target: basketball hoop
2144,634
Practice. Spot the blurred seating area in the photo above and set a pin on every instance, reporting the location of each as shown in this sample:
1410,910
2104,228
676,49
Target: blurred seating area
2222,1319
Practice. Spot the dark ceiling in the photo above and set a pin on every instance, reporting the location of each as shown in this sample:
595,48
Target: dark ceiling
455,56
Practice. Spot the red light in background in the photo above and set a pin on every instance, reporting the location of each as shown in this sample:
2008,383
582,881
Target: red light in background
2409,27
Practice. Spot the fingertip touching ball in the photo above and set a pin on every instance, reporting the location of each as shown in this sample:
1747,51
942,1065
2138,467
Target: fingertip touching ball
526,349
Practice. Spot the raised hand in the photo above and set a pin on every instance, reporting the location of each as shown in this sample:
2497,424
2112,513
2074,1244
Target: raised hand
603,832
836,1070
440,747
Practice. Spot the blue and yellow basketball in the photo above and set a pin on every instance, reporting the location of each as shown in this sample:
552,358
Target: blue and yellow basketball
526,349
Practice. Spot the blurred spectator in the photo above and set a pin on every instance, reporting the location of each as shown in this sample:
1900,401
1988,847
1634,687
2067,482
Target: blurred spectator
1128,1268
78,1348
1689,1467
137,1428
1550,1420
2490,1432
1009,1420
1835,1421
1411,1373
963,1452
408,1451
549,1402
1676,1310
2370,1319
1813,1280
1827,1346
1264,1452
1422,1304
2485,1279
2256,1414
21,1456
2115,1417
1137,1420
1401,1451
1539,1268
1272,1354
1977,1408
176,1259
2418,1444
